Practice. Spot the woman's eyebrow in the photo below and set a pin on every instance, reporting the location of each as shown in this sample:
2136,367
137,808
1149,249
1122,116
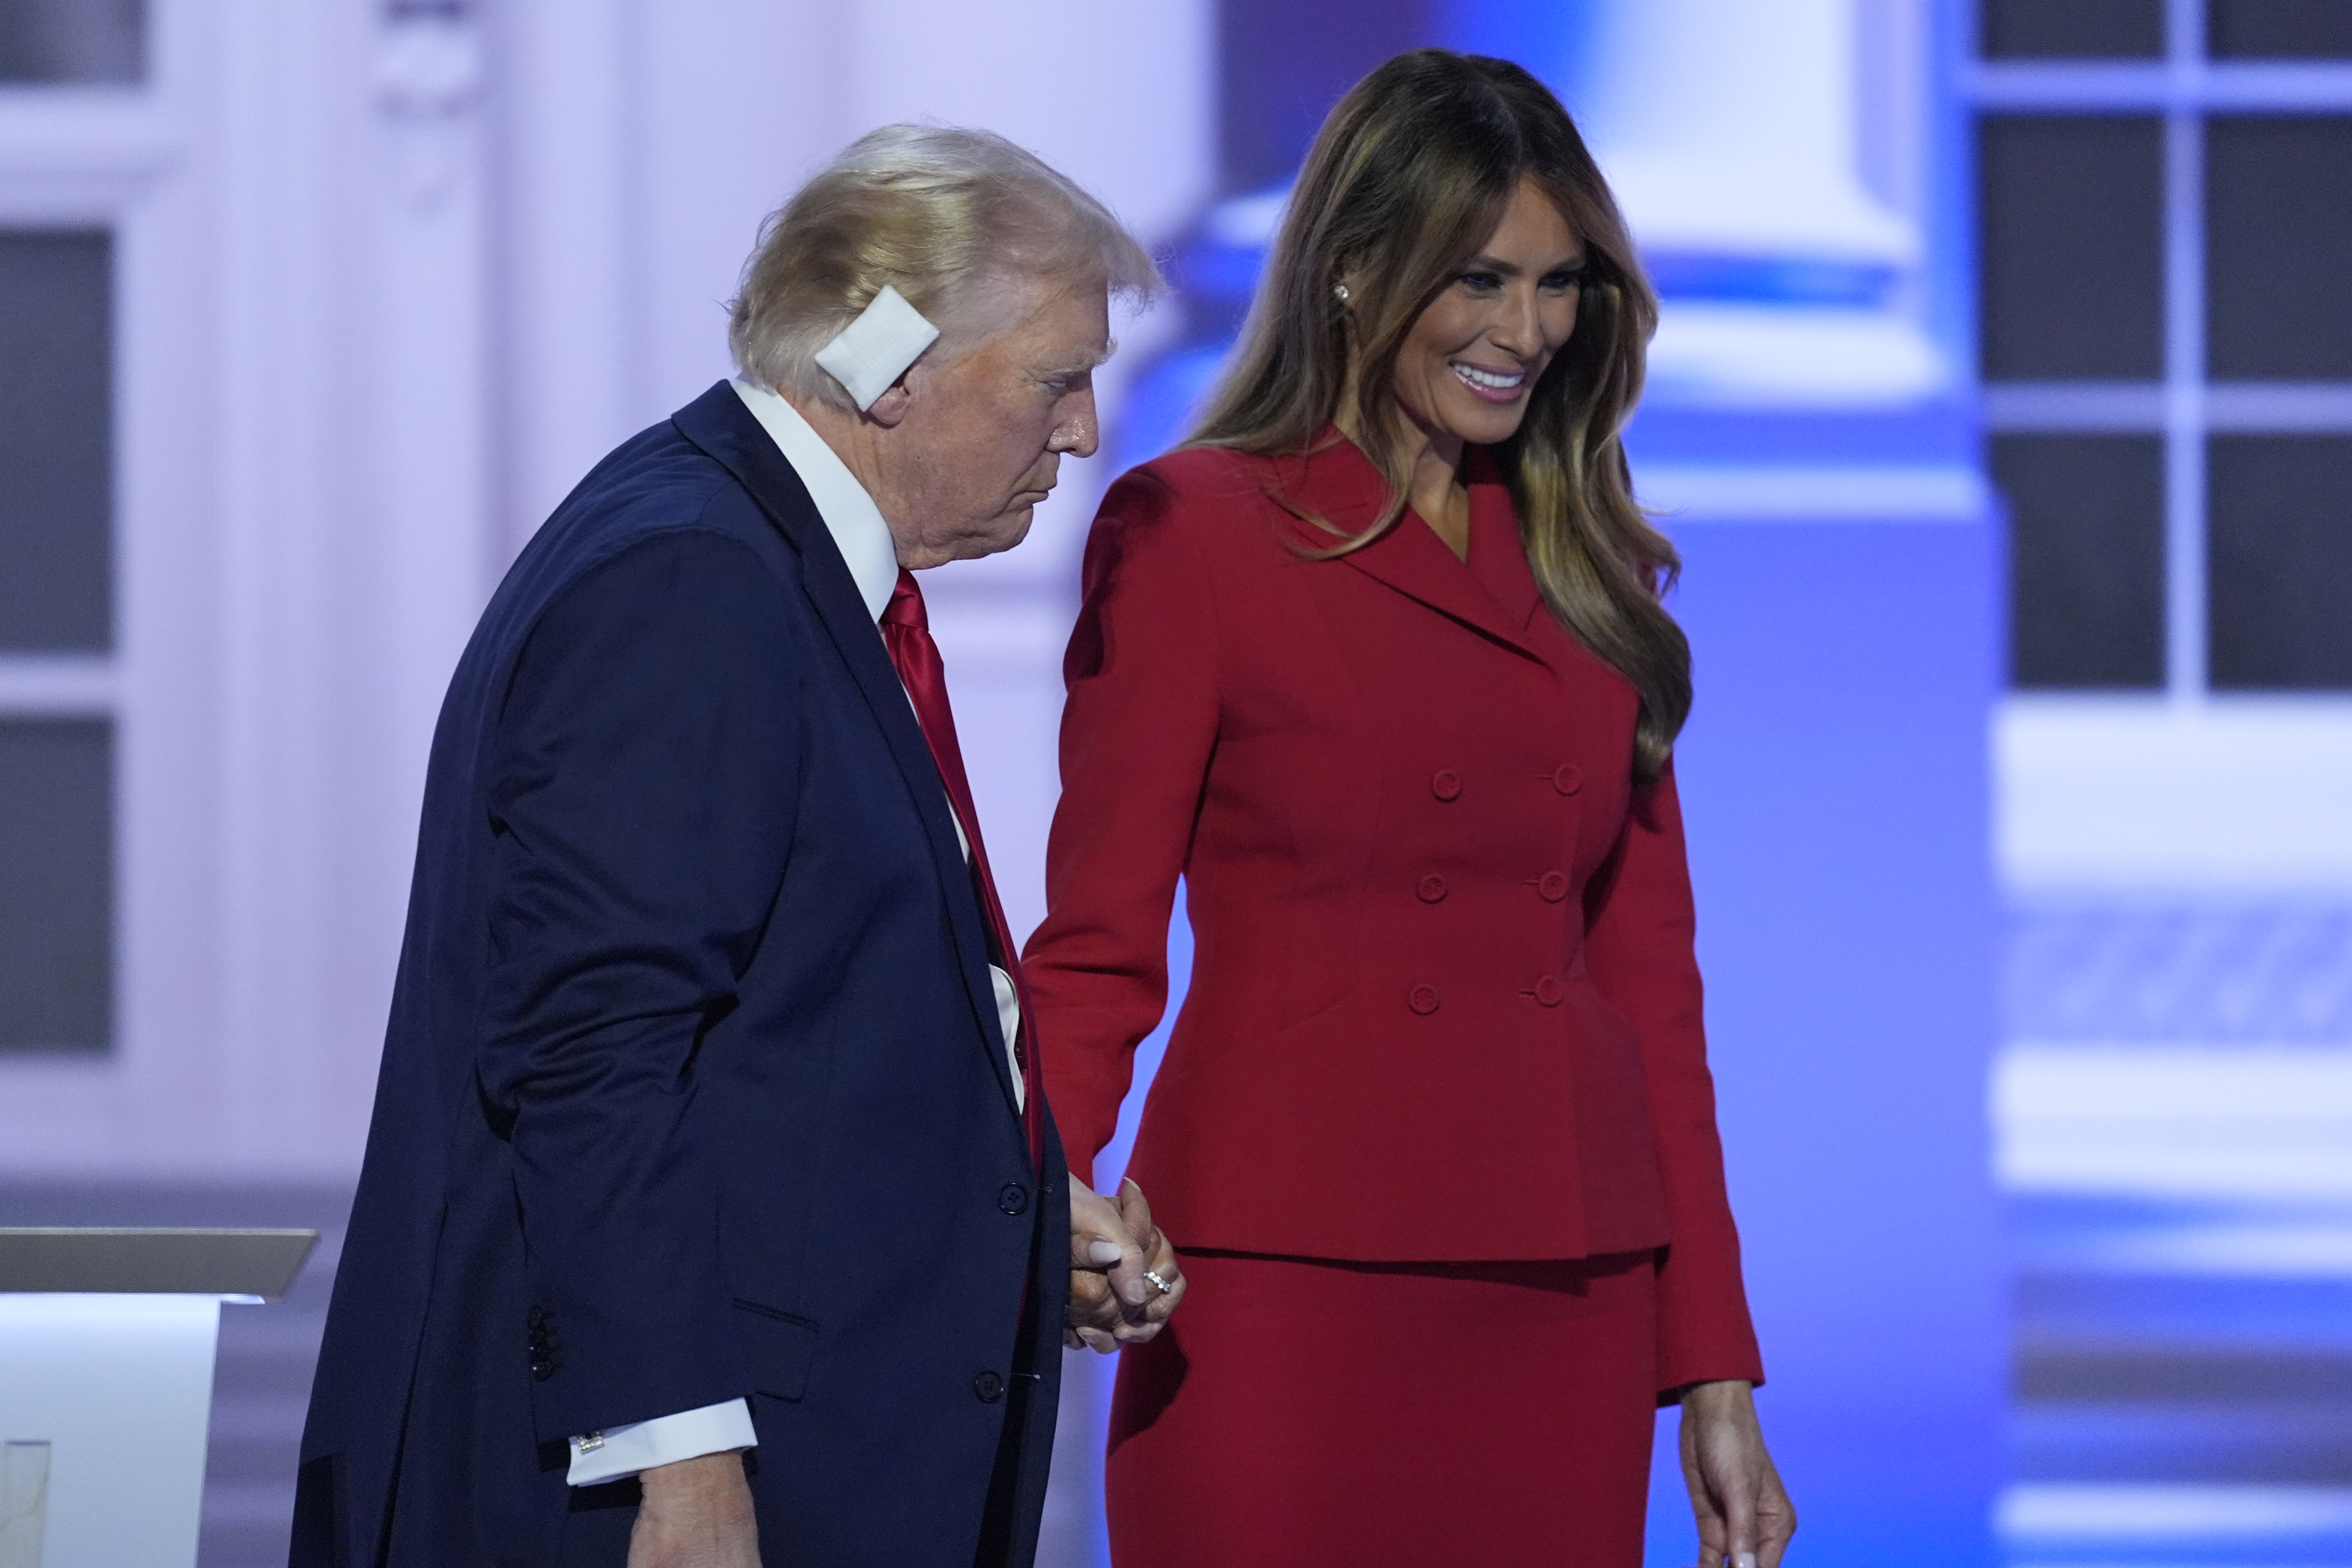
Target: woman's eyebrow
1513,269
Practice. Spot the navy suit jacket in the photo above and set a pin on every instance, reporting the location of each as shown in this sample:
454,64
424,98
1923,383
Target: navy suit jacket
694,1086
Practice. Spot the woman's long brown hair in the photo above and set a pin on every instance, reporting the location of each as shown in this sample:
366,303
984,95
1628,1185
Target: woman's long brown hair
1409,176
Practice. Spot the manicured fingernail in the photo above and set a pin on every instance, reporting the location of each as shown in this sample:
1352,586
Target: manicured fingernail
1103,1251
1742,1560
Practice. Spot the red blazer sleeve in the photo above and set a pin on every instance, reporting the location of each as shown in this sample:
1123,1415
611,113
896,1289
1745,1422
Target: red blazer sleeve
1639,940
1138,729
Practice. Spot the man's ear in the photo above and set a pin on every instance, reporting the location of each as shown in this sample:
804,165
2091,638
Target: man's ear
889,409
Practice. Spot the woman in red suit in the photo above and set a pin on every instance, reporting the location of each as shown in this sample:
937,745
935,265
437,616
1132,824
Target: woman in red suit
1377,663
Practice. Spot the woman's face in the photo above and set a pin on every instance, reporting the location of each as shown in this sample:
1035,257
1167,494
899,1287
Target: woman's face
1470,362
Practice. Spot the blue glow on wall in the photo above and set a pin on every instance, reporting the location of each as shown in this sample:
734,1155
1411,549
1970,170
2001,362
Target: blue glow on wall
1836,778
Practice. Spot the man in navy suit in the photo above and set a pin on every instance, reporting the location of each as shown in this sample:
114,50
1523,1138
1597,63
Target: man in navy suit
711,1204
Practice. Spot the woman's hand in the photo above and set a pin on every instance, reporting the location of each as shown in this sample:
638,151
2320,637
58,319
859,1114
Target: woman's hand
1166,1276
1124,1277
1744,1517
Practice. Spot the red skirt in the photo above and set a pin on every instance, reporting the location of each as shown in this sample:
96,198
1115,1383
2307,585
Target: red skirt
1298,1411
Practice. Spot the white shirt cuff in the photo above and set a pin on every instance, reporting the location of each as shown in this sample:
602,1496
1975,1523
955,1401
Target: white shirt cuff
619,1451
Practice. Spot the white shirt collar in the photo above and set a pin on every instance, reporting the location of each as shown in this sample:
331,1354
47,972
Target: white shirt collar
849,513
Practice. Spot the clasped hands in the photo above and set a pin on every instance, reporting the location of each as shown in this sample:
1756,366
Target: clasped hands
697,1513
1124,1277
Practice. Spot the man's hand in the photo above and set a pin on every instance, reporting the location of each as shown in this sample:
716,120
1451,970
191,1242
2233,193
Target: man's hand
697,1514
1114,1251
1744,1517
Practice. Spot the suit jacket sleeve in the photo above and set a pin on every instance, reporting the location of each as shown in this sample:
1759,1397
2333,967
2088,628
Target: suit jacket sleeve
1137,731
641,792
1639,946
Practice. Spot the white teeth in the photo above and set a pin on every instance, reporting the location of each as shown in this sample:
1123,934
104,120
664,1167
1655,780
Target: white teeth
1487,378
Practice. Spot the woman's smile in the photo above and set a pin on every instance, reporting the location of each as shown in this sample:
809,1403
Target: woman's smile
1492,386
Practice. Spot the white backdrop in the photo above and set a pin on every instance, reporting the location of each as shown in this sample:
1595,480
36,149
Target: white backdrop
392,277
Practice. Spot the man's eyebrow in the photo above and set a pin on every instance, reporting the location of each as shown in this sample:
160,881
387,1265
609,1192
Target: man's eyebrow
1089,359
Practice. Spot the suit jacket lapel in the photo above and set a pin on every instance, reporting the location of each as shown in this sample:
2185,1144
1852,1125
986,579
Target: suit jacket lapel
1499,556
720,423
1338,484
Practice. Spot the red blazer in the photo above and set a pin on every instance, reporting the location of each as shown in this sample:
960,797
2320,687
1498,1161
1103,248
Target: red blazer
1443,1001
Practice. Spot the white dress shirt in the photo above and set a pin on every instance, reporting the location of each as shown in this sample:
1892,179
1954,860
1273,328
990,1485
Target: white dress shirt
865,542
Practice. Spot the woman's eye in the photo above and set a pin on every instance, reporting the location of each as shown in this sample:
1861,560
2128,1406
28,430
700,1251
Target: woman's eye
1565,279
1479,282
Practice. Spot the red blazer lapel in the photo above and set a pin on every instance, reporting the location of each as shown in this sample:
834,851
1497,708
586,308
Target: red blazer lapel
1499,556
1337,484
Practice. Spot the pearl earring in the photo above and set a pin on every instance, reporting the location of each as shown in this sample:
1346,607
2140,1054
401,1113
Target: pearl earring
1339,292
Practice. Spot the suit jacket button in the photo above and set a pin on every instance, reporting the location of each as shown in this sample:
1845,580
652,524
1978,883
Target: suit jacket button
990,1386
1567,778
1554,886
1422,999
1548,991
1014,1198
1433,888
1445,784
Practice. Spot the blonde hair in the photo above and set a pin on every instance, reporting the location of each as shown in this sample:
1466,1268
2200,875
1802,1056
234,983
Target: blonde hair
1407,178
944,215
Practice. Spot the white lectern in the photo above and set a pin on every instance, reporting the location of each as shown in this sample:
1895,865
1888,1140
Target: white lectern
106,1385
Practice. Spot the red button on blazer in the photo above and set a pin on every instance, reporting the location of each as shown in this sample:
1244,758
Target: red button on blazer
1300,739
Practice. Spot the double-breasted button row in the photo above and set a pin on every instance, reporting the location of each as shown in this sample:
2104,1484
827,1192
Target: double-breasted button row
1566,778
1445,784
1547,991
1552,886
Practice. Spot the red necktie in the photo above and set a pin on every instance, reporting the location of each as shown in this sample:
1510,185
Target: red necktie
907,632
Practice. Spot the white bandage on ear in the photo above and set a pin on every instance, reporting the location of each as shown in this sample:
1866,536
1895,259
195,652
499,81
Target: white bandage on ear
875,350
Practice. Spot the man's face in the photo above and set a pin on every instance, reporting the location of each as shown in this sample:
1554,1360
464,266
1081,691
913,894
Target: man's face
982,439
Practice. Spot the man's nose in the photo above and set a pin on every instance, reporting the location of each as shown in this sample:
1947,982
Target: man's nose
1080,431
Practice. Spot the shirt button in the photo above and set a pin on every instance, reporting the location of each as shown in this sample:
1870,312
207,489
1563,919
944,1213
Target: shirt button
1422,999
1554,886
1014,1198
1548,991
1567,778
1445,784
990,1386
1433,888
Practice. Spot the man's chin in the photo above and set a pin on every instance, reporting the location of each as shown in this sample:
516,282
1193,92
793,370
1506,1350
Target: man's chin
1005,530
